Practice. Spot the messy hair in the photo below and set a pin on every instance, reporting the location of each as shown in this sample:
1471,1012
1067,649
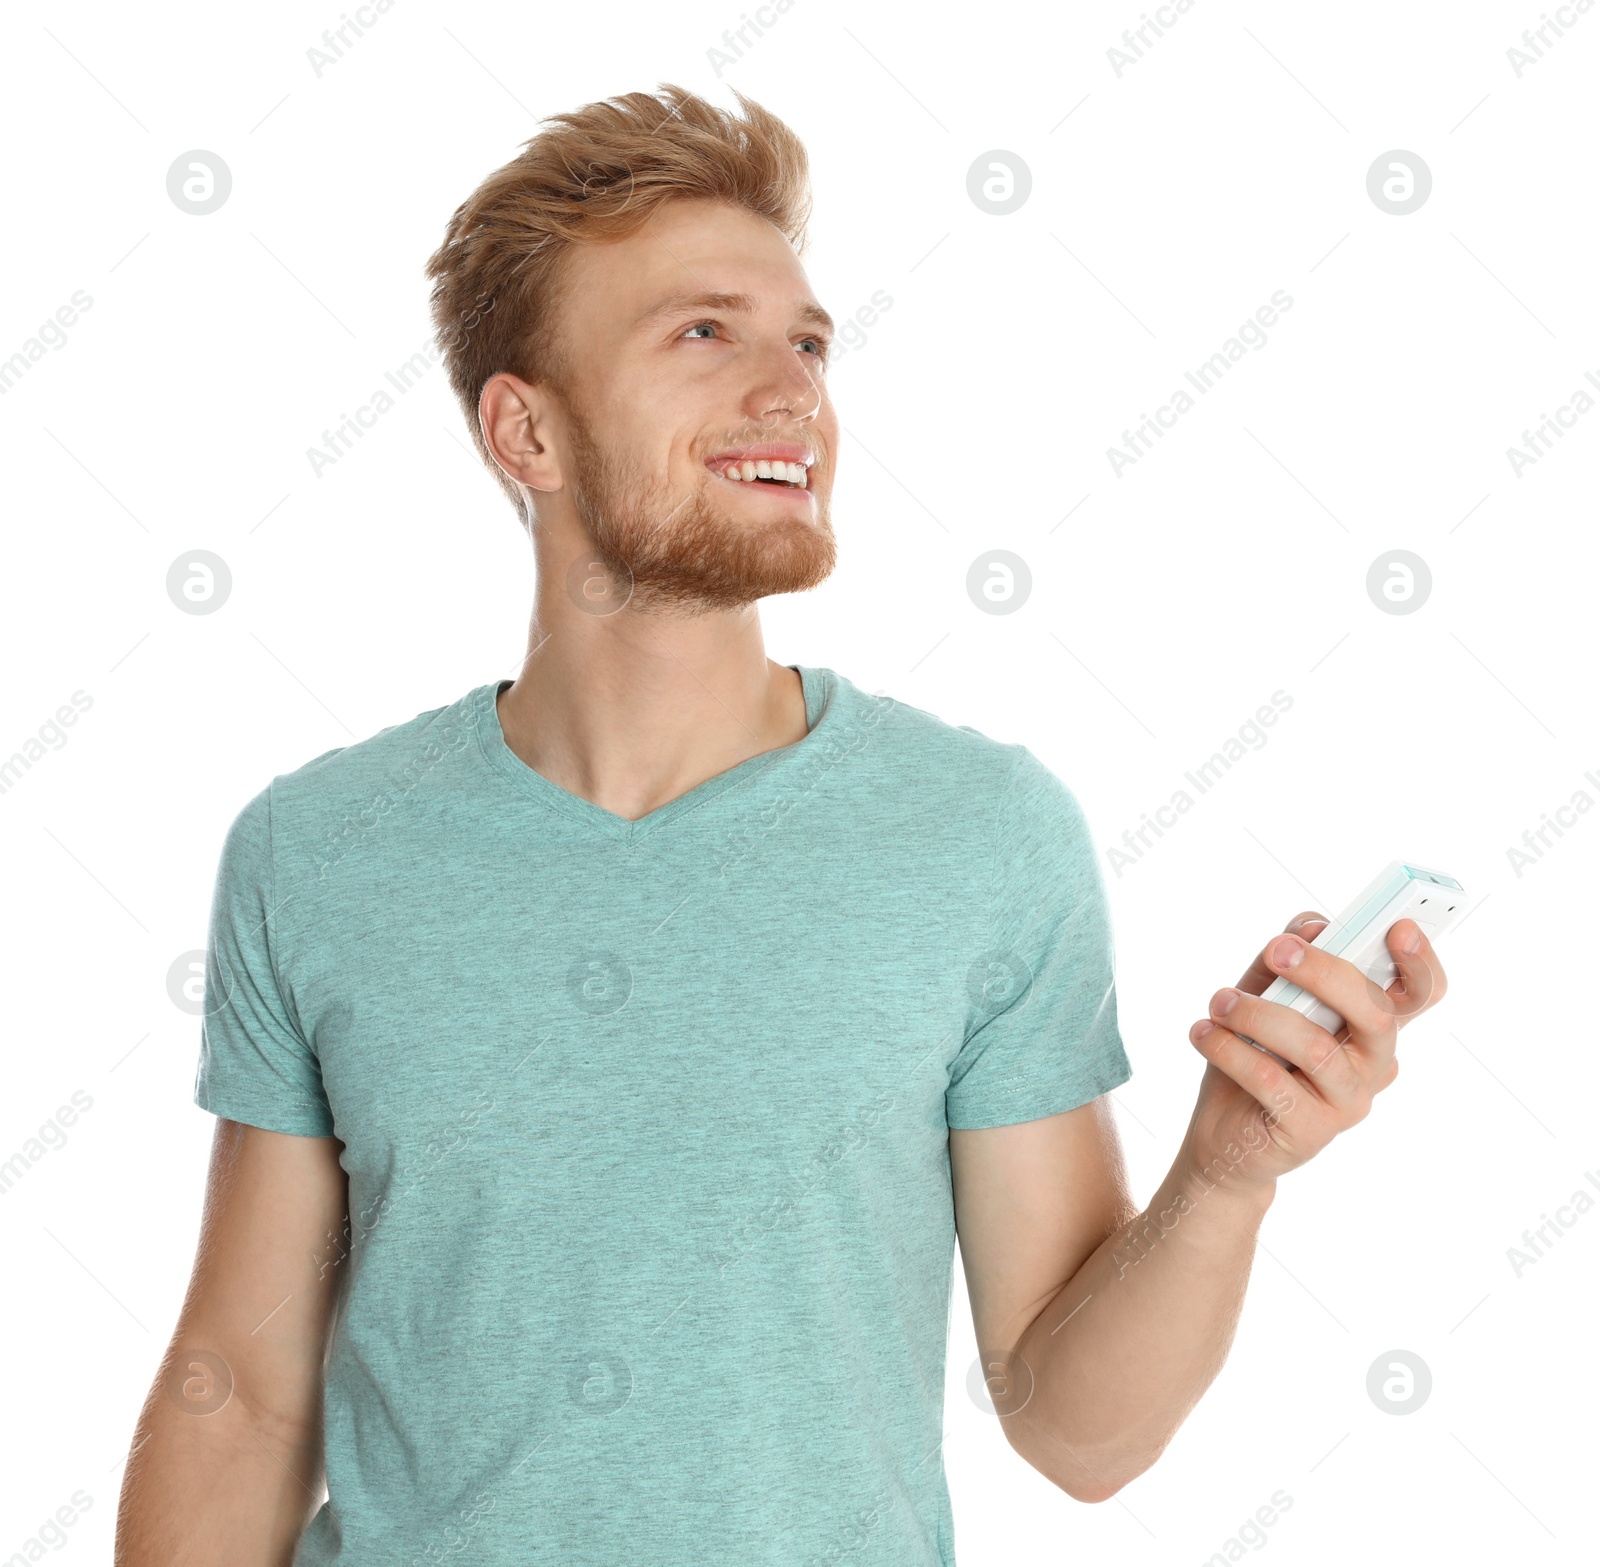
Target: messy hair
594,174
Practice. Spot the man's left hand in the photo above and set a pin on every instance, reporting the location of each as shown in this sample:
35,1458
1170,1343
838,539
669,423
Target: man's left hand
1255,1119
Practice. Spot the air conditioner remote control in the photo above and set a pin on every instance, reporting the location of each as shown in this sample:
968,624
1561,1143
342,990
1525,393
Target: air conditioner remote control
1400,891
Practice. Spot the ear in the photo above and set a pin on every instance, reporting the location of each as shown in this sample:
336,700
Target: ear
515,418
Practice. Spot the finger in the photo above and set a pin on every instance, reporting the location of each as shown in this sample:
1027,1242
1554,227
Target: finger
1258,976
1419,976
1369,1013
1333,1072
1268,1083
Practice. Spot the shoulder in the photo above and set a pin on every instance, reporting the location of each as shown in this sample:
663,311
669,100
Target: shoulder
934,758
429,736
962,781
318,801
920,743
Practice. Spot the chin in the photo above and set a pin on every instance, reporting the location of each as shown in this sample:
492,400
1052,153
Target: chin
732,565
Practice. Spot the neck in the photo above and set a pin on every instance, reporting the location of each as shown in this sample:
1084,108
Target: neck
632,709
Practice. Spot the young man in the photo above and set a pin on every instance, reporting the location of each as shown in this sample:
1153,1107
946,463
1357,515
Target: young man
607,1061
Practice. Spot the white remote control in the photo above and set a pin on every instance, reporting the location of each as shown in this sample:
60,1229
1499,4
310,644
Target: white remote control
1401,891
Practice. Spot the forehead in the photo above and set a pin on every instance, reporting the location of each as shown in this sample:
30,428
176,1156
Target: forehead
686,248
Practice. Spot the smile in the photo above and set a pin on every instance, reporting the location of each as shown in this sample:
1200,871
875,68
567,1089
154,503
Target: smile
778,465
780,475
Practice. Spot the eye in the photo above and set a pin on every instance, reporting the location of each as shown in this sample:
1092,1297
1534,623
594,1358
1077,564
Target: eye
820,347
709,325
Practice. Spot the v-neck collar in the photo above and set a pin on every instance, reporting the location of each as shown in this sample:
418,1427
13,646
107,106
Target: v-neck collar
821,690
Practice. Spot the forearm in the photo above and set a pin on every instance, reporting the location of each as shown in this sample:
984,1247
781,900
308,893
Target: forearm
208,1490
1126,1349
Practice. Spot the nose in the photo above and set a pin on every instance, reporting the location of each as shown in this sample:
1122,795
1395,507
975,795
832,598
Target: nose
784,388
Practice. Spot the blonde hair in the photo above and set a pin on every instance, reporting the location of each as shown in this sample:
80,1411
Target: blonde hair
596,173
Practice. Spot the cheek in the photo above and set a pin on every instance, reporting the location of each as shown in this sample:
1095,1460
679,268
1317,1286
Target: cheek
692,471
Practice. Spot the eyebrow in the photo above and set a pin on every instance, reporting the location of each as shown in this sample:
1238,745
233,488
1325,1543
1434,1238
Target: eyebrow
809,312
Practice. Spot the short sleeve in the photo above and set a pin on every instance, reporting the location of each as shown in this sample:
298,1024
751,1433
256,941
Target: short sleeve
255,1064
1042,1004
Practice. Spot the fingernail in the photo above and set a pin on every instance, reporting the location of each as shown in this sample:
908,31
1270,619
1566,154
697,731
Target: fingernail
1287,951
1412,944
1309,919
1222,1002
1200,1030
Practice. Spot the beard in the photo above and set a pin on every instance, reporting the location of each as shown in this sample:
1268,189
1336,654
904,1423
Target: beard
688,553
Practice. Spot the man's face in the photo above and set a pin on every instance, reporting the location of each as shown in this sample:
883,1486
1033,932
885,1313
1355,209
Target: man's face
670,391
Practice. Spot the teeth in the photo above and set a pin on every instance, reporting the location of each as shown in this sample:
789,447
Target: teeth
788,472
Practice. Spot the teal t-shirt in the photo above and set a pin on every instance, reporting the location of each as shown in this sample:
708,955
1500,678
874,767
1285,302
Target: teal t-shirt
651,1239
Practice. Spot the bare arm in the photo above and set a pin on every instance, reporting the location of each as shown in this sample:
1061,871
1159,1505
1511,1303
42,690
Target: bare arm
1102,1328
1099,1327
226,1463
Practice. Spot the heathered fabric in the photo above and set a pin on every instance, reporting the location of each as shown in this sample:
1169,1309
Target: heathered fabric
651,1239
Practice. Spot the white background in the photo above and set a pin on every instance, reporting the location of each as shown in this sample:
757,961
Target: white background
1169,603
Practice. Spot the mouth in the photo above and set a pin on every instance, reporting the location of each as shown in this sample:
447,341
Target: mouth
769,467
